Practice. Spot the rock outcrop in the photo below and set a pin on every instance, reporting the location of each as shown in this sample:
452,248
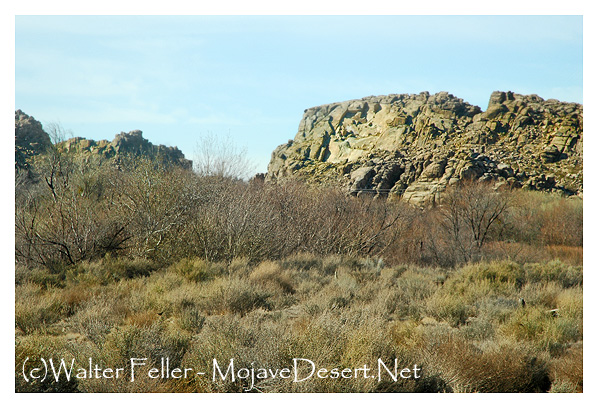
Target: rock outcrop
413,146
30,139
125,143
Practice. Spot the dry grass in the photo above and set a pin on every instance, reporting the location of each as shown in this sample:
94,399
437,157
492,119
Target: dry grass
464,326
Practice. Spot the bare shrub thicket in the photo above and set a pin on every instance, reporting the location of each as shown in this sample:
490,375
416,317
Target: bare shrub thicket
261,221
538,218
155,202
72,208
471,214
75,210
65,215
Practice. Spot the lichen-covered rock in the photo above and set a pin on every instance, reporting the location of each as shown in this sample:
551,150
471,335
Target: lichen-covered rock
414,146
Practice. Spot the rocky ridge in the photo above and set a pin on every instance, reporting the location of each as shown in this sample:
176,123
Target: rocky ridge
413,146
31,140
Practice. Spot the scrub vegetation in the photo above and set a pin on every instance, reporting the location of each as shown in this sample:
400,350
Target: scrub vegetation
147,260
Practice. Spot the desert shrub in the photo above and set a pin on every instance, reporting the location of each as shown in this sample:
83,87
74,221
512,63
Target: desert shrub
251,341
449,308
191,319
53,276
239,267
405,290
163,292
569,303
33,348
154,341
367,270
555,270
419,283
176,300
455,324
404,334
465,289
338,293
368,342
270,274
197,269
95,319
142,318
121,268
389,275
494,309
36,308
320,336
495,272
467,369
478,328
541,294
566,371
539,327
303,261
110,269
233,295
72,297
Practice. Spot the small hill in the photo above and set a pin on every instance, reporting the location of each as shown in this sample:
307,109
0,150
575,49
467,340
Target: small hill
413,146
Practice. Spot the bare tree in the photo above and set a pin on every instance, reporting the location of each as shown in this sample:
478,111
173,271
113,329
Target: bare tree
470,213
57,133
221,157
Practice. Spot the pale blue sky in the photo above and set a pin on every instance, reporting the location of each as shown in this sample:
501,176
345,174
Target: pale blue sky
177,78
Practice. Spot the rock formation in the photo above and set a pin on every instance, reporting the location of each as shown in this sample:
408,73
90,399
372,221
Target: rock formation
125,143
30,138
414,146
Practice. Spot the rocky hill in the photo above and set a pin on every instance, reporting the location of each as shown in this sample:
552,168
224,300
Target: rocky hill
413,146
31,140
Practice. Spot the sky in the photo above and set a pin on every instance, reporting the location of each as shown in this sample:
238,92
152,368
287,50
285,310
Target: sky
249,78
